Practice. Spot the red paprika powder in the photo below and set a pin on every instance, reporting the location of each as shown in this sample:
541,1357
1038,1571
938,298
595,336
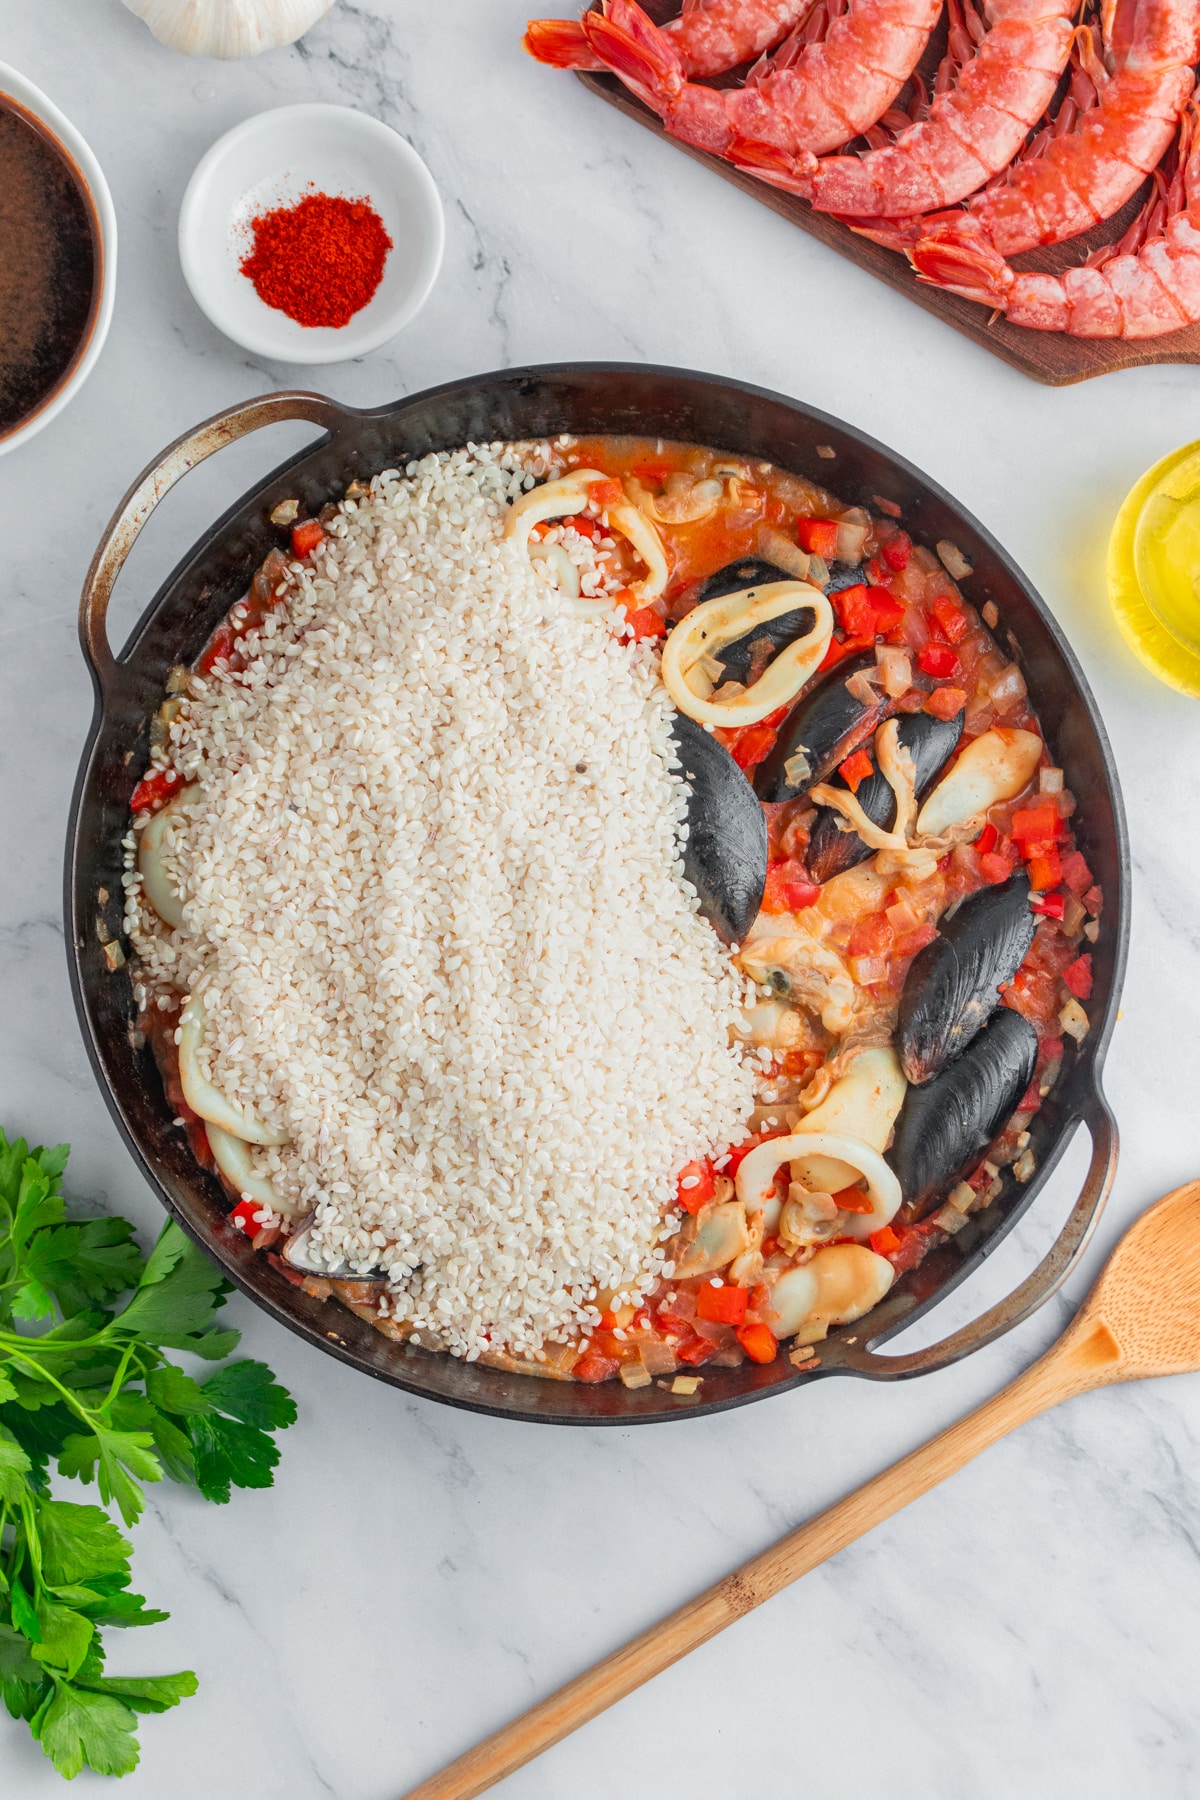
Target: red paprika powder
320,260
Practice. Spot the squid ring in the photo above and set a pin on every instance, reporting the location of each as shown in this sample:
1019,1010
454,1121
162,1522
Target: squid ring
156,883
755,1178
714,623
571,494
232,1156
202,1096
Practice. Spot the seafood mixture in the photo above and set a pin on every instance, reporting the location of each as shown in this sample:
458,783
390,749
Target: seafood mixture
1035,127
872,933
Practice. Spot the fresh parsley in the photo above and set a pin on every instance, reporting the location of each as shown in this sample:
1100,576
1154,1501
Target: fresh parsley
85,1383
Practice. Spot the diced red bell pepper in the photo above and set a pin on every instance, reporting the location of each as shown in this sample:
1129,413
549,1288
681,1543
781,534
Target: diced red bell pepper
839,648
855,613
1037,824
788,889
1078,977
155,789
697,1351
752,745
759,1342
697,1185
897,551
945,703
888,610
307,536
818,537
1045,870
856,769
722,1305
594,1367
853,1200
987,840
1051,906
243,1217
872,936
914,940
884,1241
653,472
938,660
585,527
1094,900
994,869
1077,877
646,623
605,493
951,618
219,648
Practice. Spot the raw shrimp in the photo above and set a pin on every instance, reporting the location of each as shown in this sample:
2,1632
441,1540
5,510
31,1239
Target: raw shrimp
1109,133
710,35
1130,294
974,127
833,91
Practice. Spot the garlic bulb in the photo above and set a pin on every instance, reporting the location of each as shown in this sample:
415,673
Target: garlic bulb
228,28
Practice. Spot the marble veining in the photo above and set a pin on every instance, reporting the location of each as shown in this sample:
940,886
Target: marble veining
418,1575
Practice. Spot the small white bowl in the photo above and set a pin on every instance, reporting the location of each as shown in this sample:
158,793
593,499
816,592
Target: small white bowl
273,160
15,87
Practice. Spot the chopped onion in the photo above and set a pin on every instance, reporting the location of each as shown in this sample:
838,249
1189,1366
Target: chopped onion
852,536
950,1219
1024,1166
991,614
796,769
1074,1021
1050,781
868,969
818,571
859,687
1009,684
780,550
895,669
953,560
636,1375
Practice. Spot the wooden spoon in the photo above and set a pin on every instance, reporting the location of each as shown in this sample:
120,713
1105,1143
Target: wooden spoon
1141,1318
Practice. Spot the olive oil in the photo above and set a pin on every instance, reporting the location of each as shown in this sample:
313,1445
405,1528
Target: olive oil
1154,569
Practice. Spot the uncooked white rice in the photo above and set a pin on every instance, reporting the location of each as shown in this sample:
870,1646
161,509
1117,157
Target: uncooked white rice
437,913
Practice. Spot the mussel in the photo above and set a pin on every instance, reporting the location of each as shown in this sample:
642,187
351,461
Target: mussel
725,855
930,742
952,984
822,729
945,1126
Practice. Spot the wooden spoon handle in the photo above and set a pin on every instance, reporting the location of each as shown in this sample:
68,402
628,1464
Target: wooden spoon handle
656,1649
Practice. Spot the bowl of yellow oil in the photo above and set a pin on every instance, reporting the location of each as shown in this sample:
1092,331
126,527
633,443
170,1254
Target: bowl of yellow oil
1154,568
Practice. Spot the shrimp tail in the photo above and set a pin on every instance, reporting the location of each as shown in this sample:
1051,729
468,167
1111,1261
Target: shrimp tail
961,260
773,164
630,44
561,43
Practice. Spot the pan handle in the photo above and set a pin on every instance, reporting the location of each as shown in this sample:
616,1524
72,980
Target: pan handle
855,1355
156,481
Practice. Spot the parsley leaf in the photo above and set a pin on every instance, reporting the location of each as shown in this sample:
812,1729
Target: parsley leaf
85,1384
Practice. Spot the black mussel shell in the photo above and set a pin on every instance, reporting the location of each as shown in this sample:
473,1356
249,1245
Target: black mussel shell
930,742
945,1126
951,986
725,856
827,723
752,571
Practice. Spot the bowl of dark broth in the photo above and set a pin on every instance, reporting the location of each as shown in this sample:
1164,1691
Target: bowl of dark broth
58,244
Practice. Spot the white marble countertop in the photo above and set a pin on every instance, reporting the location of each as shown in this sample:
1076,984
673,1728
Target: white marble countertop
419,1575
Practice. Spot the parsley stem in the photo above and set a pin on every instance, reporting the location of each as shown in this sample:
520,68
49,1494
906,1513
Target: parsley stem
72,1400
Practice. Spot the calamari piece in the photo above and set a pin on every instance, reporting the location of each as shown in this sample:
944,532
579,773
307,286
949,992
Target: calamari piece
572,494
862,1104
232,1156
157,884
993,768
839,1285
702,634
203,1097
755,1179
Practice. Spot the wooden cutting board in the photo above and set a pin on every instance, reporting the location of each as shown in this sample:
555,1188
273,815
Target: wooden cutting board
1048,356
